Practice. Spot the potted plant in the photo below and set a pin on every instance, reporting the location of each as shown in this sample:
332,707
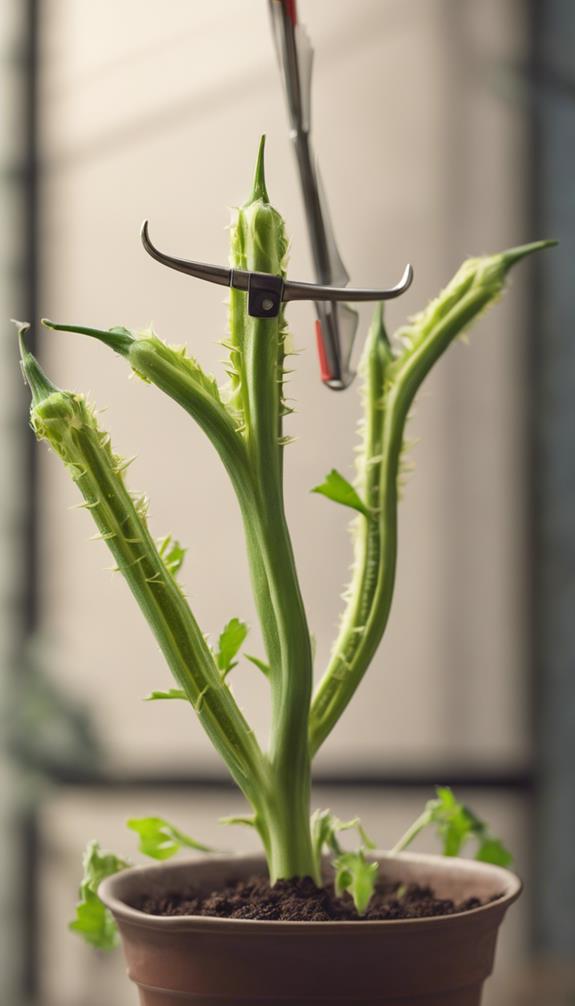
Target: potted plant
329,925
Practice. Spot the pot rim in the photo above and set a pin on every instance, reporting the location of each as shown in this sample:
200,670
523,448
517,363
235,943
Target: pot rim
110,893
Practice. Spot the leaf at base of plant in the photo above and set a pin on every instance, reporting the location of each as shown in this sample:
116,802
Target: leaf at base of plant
357,876
93,921
161,840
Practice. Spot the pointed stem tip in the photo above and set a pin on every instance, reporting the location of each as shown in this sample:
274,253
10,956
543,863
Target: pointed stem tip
119,339
22,327
514,255
40,385
259,190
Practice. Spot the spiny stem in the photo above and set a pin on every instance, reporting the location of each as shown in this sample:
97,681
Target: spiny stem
64,420
391,385
184,382
259,243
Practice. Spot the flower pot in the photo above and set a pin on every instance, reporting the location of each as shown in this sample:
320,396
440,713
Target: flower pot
199,961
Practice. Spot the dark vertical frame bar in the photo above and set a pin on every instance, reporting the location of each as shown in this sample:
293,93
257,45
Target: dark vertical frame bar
533,221
553,474
28,823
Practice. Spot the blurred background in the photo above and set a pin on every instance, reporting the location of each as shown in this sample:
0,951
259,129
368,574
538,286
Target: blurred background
444,128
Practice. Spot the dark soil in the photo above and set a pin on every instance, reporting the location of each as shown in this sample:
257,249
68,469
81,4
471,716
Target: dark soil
301,901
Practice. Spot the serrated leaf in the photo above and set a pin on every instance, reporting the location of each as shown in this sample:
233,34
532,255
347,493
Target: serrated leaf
161,840
353,873
172,554
338,489
172,693
457,824
93,921
325,828
229,644
260,664
454,823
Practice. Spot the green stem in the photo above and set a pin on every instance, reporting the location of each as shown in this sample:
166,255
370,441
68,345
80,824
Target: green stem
375,547
391,385
422,822
259,245
64,420
169,371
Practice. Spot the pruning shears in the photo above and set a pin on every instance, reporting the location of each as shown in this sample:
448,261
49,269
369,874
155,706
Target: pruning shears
336,323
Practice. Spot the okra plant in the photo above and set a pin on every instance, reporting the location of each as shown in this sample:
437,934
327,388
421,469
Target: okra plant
245,423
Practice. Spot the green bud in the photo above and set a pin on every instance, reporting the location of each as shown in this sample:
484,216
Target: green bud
259,241
58,410
477,284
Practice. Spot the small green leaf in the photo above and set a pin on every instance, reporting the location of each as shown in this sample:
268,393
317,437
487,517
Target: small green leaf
172,554
338,489
229,643
93,921
261,666
355,874
492,850
458,824
172,693
160,839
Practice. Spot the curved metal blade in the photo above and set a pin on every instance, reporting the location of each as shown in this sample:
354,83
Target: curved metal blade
202,270
309,291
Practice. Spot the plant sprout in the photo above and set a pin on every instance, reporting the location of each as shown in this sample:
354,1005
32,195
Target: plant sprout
245,423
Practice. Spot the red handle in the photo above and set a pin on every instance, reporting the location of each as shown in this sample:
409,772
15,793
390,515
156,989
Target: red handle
323,364
291,11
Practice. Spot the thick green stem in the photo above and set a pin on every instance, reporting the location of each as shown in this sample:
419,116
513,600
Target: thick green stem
259,244
285,817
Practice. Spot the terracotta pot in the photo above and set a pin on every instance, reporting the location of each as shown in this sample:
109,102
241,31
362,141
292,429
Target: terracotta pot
197,961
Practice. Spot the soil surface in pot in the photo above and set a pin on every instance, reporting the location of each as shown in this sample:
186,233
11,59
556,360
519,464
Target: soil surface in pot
301,901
